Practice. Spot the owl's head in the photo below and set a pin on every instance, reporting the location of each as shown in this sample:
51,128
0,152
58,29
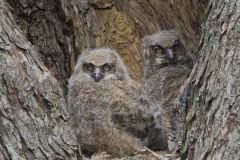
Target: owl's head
101,64
164,49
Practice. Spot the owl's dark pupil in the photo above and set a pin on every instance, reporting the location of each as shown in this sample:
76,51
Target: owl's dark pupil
90,67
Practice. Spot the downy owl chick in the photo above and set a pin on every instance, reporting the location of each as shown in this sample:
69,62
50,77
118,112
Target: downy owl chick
167,66
107,111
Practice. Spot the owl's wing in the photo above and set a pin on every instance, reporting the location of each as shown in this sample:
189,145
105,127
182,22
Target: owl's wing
130,112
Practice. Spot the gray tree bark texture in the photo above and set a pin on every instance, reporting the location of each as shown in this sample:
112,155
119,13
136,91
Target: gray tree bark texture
45,25
41,40
213,130
33,118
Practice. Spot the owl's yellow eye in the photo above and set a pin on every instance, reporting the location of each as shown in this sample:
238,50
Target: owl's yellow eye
158,49
106,67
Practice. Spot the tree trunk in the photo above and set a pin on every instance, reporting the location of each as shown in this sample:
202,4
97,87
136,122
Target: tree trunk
45,24
34,122
213,94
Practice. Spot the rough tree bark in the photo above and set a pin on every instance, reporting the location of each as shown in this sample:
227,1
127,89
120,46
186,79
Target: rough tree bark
33,118
45,24
213,119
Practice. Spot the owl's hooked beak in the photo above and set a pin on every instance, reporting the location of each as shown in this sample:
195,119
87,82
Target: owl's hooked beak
97,75
170,55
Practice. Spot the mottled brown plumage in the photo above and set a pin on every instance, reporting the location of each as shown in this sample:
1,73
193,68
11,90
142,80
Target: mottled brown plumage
167,66
110,114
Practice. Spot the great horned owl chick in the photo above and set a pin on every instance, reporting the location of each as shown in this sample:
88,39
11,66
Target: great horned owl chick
167,66
105,105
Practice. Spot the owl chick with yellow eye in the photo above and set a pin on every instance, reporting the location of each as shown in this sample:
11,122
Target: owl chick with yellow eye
167,66
106,106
